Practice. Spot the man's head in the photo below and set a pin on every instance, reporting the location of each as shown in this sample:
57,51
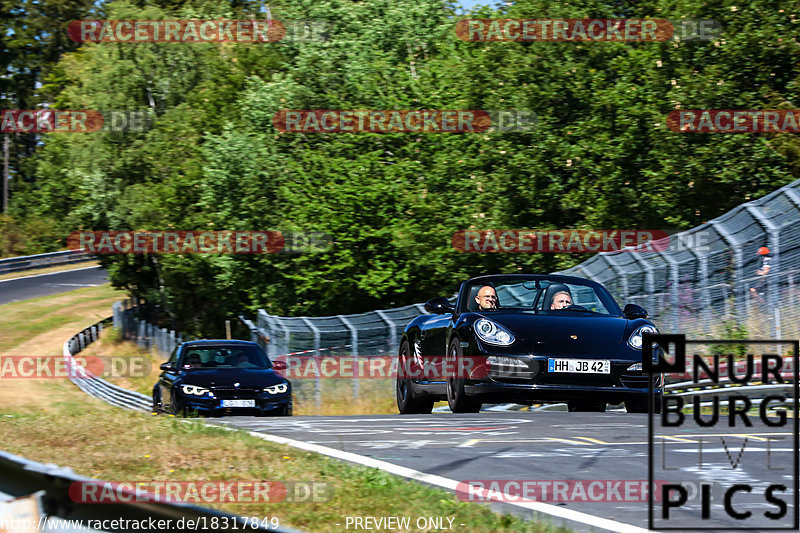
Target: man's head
486,298
561,300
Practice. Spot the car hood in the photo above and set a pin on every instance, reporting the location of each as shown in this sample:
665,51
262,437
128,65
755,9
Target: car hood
564,334
226,377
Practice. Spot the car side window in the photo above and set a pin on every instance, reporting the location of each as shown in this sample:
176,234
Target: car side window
173,357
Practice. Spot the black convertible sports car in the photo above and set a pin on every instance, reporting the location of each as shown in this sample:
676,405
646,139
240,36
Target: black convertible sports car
218,377
526,338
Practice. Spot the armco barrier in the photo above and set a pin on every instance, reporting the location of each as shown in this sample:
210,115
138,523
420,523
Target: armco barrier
93,385
29,262
22,477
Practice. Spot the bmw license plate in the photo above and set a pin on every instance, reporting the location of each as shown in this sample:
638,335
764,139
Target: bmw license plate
579,366
238,403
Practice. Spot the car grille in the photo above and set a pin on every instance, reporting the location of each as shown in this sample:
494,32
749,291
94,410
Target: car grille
233,393
638,381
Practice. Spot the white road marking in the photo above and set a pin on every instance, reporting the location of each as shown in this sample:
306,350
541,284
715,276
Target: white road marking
451,484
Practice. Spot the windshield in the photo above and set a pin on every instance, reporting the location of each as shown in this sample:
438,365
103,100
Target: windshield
224,357
541,296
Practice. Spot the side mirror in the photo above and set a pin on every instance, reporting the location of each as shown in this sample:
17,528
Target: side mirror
167,366
439,306
632,311
278,365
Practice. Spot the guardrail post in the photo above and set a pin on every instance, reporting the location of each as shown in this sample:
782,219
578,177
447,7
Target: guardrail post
353,352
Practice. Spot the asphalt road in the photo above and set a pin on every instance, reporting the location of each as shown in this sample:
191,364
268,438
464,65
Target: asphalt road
18,289
552,446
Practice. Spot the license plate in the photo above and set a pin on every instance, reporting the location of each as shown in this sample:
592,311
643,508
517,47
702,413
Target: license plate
579,366
238,403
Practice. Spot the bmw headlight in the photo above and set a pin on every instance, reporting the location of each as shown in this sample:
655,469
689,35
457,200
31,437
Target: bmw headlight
280,388
635,340
196,391
493,333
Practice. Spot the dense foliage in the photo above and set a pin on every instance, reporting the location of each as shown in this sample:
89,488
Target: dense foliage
601,155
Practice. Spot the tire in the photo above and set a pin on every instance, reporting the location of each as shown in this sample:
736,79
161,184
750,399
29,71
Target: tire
456,396
586,407
156,405
639,405
407,402
176,411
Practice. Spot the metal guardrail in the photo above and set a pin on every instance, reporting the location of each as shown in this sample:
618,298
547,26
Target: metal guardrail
30,262
21,477
94,386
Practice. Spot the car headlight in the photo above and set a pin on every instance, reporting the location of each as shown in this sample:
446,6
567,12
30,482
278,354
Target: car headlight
493,333
635,340
280,388
194,390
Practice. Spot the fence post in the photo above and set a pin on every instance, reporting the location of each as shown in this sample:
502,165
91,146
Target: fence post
317,381
392,330
353,352
775,248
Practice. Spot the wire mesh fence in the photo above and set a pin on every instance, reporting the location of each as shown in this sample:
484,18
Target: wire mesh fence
713,281
144,334
735,275
707,282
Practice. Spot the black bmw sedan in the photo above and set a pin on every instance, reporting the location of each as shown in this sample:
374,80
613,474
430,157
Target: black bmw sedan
526,338
222,377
